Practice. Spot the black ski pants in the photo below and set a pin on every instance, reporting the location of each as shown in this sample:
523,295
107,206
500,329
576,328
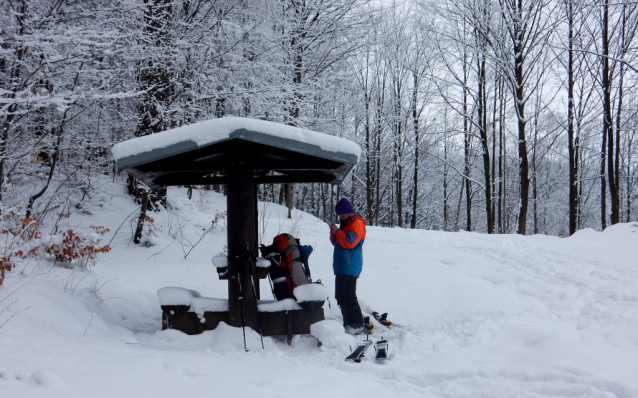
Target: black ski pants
346,295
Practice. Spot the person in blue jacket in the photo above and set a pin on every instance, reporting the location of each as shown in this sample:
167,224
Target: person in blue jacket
347,263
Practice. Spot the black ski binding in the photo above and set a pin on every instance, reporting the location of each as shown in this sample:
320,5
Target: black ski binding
383,319
359,351
381,347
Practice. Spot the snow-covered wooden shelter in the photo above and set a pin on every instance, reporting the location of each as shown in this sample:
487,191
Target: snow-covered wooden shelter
240,153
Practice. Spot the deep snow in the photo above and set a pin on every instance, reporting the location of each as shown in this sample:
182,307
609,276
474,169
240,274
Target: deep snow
482,316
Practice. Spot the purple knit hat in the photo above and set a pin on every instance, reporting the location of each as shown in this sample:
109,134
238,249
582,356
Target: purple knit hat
344,206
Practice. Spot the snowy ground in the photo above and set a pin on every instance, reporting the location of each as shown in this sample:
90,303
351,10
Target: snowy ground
482,316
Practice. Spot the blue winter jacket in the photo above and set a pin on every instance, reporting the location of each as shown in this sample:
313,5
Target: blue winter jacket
348,246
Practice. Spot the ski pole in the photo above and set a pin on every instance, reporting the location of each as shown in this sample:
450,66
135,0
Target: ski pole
252,282
272,288
241,307
257,310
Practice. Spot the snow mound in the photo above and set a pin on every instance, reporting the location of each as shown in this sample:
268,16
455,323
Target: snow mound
586,233
226,338
311,292
223,339
331,334
188,213
622,229
45,378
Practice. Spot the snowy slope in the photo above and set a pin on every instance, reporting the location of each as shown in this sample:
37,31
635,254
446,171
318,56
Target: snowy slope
482,316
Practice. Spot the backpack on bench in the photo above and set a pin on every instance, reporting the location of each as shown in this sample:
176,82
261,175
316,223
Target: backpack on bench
288,265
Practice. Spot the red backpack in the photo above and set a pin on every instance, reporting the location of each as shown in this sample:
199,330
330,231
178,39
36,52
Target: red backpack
288,265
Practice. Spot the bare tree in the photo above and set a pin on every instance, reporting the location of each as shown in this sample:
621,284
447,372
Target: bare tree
527,26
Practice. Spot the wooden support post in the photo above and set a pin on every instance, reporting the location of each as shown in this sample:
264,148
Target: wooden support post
289,325
242,240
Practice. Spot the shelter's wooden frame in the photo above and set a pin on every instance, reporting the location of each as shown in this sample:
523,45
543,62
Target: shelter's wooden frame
243,160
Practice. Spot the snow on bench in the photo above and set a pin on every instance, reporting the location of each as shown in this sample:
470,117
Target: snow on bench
276,306
199,304
222,262
311,292
176,296
191,298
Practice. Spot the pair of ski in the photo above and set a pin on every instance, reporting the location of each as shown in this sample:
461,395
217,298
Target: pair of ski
380,346
381,318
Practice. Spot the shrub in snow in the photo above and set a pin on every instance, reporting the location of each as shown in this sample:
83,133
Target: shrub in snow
22,238
71,247
150,234
17,234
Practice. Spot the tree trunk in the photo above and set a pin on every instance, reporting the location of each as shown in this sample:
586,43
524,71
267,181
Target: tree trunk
54,161
617,168
415,123
603,183
535,177
369,165
398,178
466,150
573,172
155,81
289,198
16,70
608,127
142,217
458,206
482,124
522,138
501,159
377,204
446,206
493,169
629,190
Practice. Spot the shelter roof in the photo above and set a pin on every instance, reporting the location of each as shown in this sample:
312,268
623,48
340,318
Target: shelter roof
200,153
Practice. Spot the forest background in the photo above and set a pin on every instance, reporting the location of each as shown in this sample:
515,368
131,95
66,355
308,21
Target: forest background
497,116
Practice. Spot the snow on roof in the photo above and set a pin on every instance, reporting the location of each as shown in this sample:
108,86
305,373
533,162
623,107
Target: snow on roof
197,135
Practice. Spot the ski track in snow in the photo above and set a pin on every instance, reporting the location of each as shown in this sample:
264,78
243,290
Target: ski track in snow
482,316
592,294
